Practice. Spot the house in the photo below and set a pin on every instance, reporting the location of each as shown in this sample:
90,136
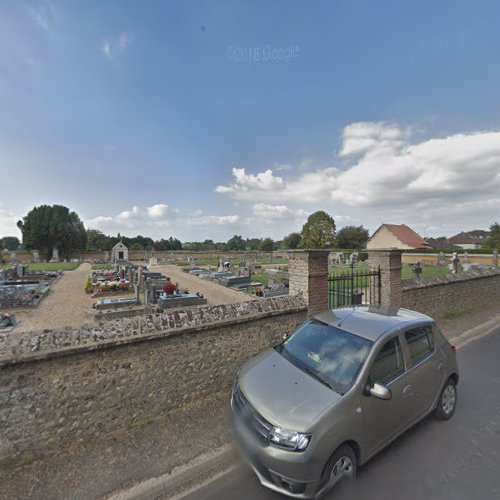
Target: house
119,252
396,236
466,241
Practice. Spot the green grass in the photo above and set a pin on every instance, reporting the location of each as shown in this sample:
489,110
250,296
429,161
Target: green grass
97,267
48,266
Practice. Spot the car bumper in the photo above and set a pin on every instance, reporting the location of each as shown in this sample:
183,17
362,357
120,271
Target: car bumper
295,474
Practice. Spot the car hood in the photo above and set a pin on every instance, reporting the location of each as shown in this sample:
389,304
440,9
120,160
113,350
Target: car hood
283,394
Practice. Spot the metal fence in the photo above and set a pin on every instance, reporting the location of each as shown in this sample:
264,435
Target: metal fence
353,288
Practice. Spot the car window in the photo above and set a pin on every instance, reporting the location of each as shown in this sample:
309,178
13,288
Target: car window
420,342
389,363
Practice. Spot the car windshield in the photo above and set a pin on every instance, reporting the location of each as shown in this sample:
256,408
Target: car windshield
330,354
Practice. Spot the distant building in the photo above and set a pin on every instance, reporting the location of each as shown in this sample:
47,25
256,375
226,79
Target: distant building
119,252
466,241
396,236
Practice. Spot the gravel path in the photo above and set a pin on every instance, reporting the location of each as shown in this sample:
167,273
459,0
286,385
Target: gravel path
66,304
214,293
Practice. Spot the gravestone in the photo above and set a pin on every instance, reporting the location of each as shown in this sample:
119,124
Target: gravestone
153,261
106,255
55,255
13,256
35,255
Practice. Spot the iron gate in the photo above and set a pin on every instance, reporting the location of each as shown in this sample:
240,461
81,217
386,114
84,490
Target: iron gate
354,287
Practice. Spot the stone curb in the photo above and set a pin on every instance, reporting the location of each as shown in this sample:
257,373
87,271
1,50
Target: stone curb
477,332
205,467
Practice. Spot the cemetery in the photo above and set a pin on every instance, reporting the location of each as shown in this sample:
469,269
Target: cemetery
21,288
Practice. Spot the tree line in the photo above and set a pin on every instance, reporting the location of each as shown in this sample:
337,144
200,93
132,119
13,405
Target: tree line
47,227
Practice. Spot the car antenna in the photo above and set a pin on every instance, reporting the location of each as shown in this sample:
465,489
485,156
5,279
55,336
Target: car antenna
349,315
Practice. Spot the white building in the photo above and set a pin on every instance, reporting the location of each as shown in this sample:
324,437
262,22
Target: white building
119,252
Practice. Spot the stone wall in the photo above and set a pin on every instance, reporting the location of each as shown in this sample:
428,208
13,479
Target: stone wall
459,292
57,387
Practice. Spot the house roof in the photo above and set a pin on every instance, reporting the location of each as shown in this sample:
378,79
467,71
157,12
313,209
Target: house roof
464,239
405,234
120,244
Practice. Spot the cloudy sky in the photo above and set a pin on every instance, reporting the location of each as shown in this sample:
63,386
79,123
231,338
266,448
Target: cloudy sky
206,119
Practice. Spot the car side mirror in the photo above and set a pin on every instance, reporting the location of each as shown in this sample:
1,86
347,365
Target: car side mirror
380,391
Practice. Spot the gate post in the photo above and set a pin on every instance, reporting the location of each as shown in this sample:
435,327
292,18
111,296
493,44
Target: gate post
308,271
389,261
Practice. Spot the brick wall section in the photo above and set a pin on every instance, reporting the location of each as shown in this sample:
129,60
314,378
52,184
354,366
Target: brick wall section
75,384
459,292
390,266
308,271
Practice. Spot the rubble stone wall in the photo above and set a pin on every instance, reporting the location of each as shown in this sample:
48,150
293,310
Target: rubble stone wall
459,292
57,387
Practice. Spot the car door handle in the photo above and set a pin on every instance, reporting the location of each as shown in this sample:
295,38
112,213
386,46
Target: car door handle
407,391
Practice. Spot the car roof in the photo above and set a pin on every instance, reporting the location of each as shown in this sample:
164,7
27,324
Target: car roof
370,322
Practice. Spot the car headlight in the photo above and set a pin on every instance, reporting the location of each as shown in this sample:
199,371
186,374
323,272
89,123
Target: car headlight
290,440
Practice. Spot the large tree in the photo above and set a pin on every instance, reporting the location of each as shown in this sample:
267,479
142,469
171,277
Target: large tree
10,243
267,245
354,237
47,227
236,243
97,240
493,240
292,241
318,231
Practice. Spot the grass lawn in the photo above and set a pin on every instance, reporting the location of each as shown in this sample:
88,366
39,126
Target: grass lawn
406,271
96,267
47,266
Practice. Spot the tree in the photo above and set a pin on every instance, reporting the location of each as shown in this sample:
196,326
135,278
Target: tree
253,243
354,237
47,227
98,241
493,240
318,231
10,243
292,241
267,245
236,243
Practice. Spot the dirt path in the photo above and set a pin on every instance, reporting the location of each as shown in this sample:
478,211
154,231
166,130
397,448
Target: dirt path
214,293
66,304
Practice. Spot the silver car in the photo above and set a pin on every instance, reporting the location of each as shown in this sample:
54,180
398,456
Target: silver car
339,389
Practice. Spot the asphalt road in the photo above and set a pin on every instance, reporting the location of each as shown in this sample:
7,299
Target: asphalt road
454,460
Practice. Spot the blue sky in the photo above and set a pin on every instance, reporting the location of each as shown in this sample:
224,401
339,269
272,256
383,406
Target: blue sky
202,119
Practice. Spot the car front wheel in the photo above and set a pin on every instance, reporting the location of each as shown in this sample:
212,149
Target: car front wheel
343,464
447,401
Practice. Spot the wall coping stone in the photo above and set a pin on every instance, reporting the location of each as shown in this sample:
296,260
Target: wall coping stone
46,344
448,280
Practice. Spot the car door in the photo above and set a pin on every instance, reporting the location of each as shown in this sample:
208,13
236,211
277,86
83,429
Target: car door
425,366
384,419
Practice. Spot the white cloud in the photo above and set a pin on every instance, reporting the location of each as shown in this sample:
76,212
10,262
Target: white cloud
277,212
157,211
39,15
111,47
219,220
388,178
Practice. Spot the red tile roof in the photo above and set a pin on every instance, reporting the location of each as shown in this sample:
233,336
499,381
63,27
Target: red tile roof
464,238
406,235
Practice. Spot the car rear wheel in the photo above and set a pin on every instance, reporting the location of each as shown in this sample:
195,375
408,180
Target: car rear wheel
343,464
447,401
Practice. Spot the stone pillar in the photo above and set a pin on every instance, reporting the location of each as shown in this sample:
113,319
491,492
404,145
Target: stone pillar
389,261
308,270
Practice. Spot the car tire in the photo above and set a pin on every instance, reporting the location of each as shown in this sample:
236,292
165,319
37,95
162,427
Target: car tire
447,401
343,464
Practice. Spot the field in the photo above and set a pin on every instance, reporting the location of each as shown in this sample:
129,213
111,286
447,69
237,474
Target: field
48,266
